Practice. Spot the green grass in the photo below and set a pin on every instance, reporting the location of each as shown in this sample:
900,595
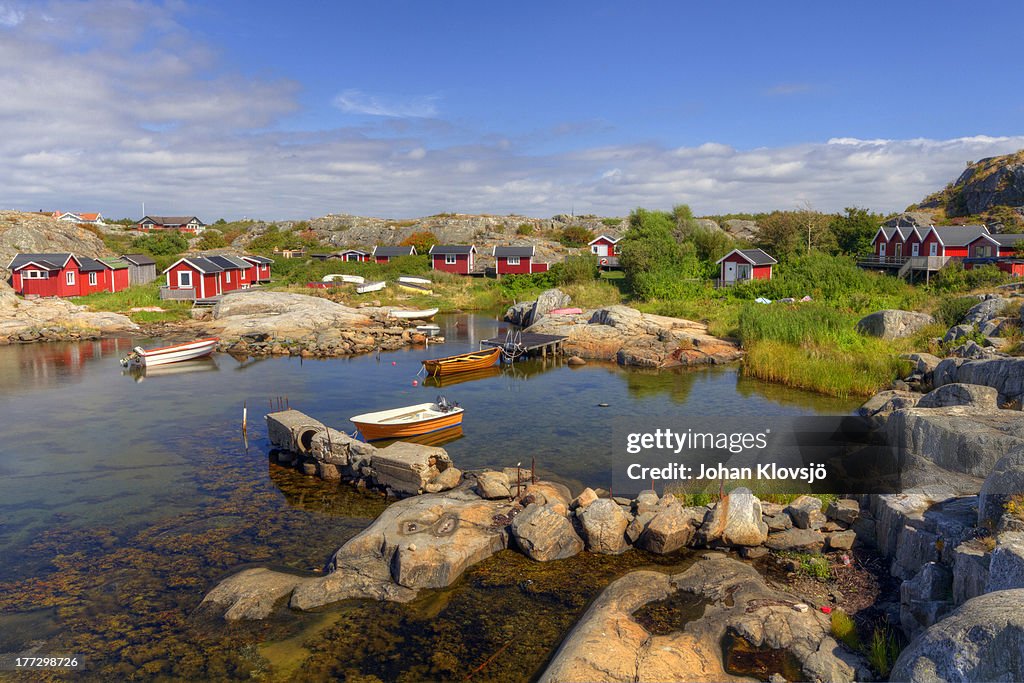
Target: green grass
137,296
845,630
883,650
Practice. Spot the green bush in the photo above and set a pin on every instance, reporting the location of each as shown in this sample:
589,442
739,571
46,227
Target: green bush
954,278
951,311
524,229
845,630
166,243
576,236
573,269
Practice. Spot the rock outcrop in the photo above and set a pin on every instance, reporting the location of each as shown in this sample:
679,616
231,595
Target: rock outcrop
629,337
893,324
724,600
32,320
34,233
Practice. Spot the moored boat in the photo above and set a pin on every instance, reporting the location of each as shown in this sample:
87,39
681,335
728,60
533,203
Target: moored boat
462,362
170,354
370,287
429,330
409,279
425,314
423,418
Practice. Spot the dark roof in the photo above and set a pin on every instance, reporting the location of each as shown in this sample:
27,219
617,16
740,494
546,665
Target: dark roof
960,236
756,257
138,259
452,249
203,265
1007,239
258,259
521,252
51,261
394,251
89,265
171,220
229,262
353,251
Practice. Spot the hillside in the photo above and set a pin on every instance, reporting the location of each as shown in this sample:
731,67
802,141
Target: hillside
35,233
989,191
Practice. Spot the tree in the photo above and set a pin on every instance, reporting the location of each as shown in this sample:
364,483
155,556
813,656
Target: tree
855,229
423,241
167,243
788,233
655,263
576,236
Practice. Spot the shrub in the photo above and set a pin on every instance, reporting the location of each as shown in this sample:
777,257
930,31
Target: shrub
816,567
582,268
211,239
525,229
422,240
951,311
576,236
954,278
161,243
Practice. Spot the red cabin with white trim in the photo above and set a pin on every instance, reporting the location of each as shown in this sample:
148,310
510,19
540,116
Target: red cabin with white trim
259,270
197,276
383,254
741,265
453,258
65,275
603,245
516,261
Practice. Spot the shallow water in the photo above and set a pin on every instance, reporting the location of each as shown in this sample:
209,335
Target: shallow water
123,501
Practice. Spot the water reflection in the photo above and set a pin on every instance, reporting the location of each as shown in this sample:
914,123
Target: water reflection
41,365
140,373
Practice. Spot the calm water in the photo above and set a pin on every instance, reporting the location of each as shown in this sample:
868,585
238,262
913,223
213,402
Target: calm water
123,499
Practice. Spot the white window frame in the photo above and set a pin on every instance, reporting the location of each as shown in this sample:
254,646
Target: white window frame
593,249
182,276
881,249
35,275
933,249
92,279
69,278
512,260
915,249
227,276
451,259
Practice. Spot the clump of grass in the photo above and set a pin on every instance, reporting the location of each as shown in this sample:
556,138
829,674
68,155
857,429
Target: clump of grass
884,650
845,630
951,311
826,370
816,567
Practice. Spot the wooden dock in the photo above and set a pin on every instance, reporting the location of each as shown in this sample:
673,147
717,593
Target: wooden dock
527,344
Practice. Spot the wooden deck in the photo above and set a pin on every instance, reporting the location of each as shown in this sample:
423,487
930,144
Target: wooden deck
519,344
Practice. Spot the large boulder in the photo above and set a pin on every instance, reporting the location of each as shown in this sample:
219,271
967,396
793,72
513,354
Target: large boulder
672,527
1006,569
973,395
983,311
736,520
549,300
806,512
716,601
893,324
604,527
1004,374
983,640
544,535
282,315
1005,481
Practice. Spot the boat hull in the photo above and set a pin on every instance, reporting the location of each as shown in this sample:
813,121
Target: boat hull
463,362
414,288
405,422
426,314
173,354
370,287
409,279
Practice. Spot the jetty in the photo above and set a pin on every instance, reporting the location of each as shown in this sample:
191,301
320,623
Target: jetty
527,344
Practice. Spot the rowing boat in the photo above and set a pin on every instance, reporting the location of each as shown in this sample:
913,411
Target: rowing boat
140,357
409,279
352,279
462,362
370,287
414,288
423,418
425,314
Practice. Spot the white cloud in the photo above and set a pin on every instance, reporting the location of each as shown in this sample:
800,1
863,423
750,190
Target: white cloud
10,16
358,102
118,119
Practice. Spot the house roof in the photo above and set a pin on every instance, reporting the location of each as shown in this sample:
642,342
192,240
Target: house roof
90,265
49,261
959,235
171,220
113,263
229,262
394,251
755,257
606,238
258,259
1007,239
354,251
138,259
203,265
521,252
457,249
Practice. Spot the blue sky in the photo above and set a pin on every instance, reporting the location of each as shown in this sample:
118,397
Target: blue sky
403,109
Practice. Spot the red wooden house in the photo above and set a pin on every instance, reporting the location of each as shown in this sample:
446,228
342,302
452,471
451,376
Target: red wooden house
190,224
385,254
1000,250
353,255
65,274
453,258
740,265
951,241
895,245
235,272
603,245
260,268
193,277
516,260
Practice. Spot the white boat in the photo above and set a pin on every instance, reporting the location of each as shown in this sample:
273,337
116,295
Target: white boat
353,279
414,280
430,330
140,357
425,314
370,287
423,418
